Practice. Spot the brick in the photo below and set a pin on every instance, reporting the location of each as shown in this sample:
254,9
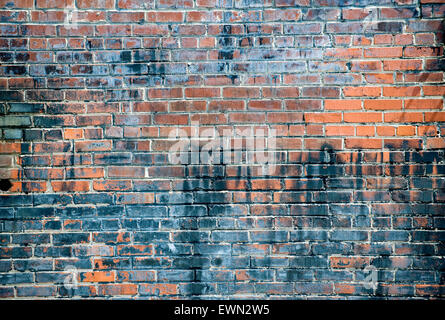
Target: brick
383,104
394,52
322,118
97,276
343,105
403,65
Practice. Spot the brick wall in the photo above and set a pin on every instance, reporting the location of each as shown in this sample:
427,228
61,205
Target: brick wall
347,97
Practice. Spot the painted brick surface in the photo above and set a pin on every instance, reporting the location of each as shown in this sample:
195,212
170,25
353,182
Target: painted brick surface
347,97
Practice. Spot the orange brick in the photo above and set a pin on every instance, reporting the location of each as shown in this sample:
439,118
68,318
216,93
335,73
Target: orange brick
355,14
322,117
386,52
97,276
235,184
406,131
358,143
296,130
164,93
379,78
430,131
402,65
435,143
424,104
208,42
383,39
266,184
434,116
8,147
383,104
314,129
362,117
131,172
339,131
342,104
118,289
367,131
361,91
73,133
402,117
434,90
162,289
28,186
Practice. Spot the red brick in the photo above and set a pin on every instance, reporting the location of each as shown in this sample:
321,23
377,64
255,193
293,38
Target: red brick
434,90
202,92
164,16
394,52
112,185
176,119
361,91
240,92
402,65
165,93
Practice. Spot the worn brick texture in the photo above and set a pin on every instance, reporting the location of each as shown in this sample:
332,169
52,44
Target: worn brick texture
92,205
